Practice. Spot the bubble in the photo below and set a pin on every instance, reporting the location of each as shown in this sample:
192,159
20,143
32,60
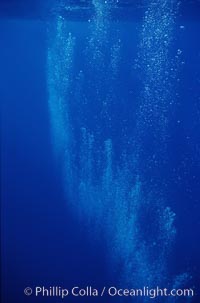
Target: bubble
179,51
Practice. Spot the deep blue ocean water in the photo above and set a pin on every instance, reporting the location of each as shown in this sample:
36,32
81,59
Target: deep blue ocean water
100,149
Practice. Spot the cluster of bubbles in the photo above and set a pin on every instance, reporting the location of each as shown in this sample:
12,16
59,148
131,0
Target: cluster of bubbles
117,200
107,191
59,68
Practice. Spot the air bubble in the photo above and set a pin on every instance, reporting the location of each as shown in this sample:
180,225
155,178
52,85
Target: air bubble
179,51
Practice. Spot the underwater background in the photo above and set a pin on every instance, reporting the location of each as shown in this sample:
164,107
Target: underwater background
100,146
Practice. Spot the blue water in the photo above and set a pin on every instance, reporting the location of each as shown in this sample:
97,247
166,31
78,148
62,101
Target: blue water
100,151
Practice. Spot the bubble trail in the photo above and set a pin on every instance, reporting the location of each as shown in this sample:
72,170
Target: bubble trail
107,189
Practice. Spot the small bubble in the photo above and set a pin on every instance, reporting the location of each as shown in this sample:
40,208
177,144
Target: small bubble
182,27
179,51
